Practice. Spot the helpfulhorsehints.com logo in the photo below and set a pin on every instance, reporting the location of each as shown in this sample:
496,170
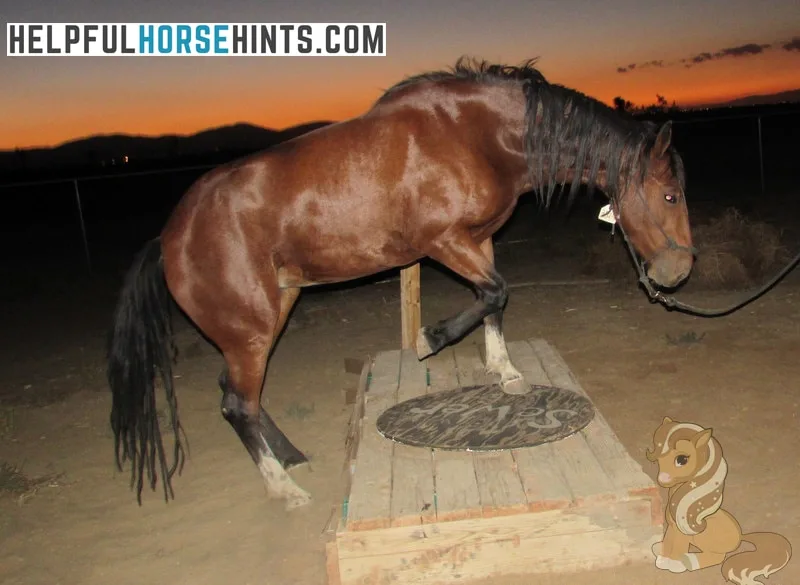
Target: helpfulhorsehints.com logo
179,40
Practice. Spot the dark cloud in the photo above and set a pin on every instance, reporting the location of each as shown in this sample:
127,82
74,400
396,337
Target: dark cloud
741,51
702,57
654,63
793,45
632,66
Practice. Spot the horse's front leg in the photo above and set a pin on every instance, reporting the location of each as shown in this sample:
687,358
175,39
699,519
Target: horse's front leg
497,360
671,550
465,257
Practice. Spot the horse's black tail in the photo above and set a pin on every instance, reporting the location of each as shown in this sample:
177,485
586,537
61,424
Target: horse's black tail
141,347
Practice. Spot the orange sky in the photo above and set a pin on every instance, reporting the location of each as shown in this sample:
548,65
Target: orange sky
46,101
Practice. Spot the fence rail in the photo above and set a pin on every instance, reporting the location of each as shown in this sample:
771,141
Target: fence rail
176,170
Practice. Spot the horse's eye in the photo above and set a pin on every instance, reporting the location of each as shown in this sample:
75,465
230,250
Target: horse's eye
681,460
670,198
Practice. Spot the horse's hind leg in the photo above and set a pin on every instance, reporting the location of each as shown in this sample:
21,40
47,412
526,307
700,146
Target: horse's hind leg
497,360
462,255
285,452
241,408
246,345
282,447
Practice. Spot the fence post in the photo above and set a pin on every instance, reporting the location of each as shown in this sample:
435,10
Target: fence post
761,157
83,225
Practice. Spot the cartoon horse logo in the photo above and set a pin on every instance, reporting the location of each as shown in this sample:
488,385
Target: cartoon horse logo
692,468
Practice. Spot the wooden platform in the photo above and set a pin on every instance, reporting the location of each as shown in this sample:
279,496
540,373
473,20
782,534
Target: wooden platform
419,515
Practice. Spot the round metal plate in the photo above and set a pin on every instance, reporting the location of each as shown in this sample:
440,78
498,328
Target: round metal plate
484,418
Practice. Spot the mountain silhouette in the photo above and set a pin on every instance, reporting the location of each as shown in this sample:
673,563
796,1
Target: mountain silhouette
791,96
113,148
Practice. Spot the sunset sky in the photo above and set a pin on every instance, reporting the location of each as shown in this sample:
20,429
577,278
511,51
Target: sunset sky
692,52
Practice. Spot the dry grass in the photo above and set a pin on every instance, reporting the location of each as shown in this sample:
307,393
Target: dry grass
733,252
736,252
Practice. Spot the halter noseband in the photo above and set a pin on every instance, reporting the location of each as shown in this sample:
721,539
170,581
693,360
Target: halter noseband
669,245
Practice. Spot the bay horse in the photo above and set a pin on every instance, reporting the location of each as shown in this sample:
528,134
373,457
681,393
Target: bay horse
432,169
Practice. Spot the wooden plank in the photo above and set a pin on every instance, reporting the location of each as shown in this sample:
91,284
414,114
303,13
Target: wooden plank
356,423
332,563
543,482
545,486
441,371
413,377
369,504
527,362
457,494
463,550
412,499
410,309
626,475
499,485
577,463
470,368
352,440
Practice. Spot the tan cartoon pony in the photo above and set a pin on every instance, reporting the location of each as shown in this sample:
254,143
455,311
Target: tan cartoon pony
691,466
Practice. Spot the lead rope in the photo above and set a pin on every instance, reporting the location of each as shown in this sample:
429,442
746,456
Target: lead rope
672,303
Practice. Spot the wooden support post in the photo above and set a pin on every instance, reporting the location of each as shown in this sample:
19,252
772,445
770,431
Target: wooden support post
410,312
410,309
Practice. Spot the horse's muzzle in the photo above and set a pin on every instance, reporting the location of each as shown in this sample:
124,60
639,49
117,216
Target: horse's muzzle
670,268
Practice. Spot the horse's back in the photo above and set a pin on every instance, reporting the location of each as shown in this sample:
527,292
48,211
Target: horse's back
311,201
348,199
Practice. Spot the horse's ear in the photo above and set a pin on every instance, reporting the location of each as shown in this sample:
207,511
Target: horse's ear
663,139
702,438
666,420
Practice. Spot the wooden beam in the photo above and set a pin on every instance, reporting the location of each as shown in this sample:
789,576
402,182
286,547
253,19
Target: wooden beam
410,312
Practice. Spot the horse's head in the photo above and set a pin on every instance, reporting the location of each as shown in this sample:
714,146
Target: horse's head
680,450
651,209
691,466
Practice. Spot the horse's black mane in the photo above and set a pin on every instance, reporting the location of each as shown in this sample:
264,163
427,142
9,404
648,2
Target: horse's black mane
561,120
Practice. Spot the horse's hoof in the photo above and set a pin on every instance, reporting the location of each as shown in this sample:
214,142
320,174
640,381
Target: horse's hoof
515,386
298,500
671,565
295,464
423,346
294,461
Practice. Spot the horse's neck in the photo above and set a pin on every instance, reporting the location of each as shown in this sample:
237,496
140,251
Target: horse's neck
570,175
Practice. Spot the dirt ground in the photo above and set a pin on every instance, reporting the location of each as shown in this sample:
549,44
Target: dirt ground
81,525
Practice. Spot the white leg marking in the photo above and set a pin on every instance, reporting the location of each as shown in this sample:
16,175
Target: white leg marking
278,483
498,362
